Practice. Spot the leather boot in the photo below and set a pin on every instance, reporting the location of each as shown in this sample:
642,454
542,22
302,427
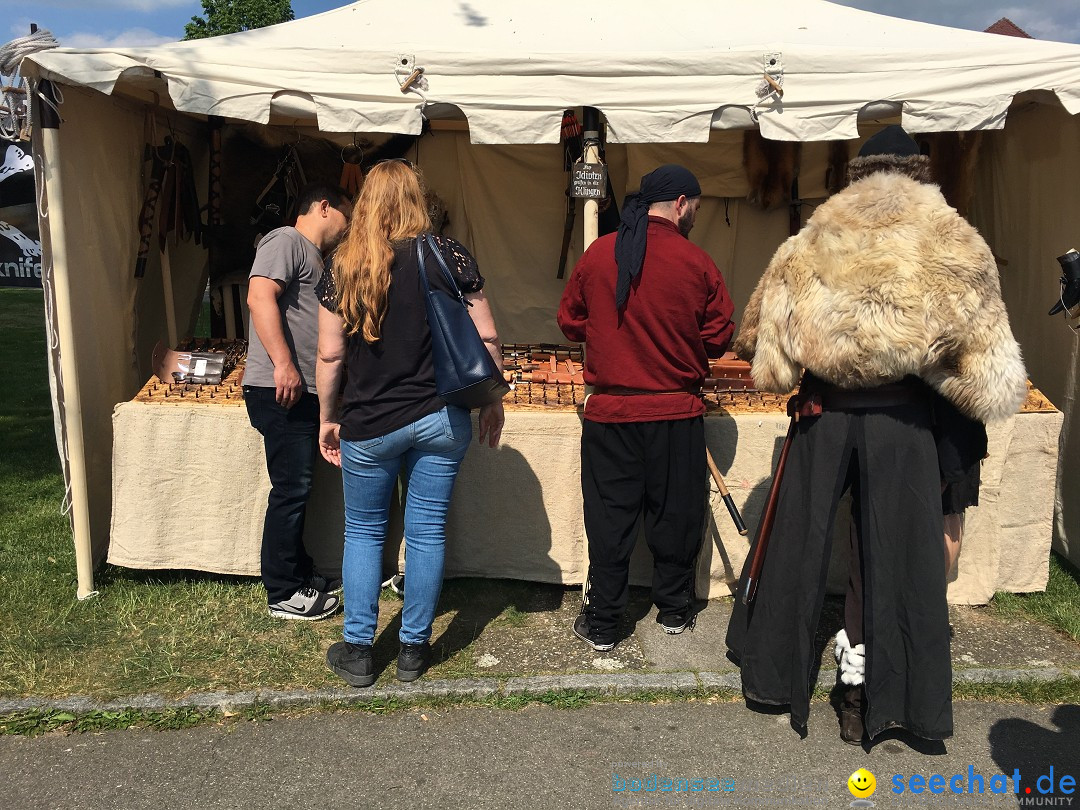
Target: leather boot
851,674
851,716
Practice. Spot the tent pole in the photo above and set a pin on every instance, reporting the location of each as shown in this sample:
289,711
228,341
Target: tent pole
170,302
590,130
591,133
227,297
69,370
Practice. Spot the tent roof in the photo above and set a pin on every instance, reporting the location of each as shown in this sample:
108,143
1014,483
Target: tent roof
512,66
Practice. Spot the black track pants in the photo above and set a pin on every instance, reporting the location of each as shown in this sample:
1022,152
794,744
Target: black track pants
655,469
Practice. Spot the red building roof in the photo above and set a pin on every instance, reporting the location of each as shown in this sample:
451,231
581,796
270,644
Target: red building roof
1008,28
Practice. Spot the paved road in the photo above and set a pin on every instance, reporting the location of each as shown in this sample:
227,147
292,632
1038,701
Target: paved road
534,758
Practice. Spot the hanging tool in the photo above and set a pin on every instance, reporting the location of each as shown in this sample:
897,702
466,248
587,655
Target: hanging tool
352,178
733,510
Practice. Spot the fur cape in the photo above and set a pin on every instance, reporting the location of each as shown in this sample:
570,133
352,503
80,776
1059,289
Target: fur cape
886,280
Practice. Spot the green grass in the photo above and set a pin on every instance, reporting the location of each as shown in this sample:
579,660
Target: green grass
513,616
41,721
164,632
1058,606
1060,690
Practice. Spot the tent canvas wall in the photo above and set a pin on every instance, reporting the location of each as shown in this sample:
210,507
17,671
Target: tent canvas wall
669,89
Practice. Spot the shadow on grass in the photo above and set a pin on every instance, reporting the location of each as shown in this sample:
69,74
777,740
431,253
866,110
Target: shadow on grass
107,575
476,603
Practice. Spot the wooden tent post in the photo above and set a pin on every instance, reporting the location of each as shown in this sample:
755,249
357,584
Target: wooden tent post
69,369
228,302
591,133
170,301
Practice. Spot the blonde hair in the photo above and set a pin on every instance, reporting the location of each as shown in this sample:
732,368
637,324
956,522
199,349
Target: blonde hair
391,207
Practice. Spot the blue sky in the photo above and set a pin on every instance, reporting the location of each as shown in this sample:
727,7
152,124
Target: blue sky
101,23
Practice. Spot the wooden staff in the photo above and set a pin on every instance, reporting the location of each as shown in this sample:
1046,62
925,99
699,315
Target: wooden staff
733,510
761,543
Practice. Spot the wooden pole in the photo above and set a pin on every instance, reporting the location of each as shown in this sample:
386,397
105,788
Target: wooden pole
591,134
53,226
213,220
229,304
170,303
733,510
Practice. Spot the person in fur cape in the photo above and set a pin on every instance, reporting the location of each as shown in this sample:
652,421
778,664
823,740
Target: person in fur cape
885,297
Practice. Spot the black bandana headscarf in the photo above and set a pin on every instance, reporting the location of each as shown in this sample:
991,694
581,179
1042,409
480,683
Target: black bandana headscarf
660,185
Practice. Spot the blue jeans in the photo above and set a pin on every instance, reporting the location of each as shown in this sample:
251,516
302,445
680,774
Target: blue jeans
432,449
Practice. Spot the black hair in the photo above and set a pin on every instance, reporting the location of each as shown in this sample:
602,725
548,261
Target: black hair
315,193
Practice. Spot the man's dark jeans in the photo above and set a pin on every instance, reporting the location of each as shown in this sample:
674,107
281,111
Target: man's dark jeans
289,436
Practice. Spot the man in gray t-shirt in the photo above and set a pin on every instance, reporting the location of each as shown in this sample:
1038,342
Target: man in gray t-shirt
279,391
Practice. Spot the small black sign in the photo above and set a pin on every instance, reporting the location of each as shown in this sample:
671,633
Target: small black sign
589,180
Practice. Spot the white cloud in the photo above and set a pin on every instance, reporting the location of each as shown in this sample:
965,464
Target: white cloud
19,27
132,5
131,37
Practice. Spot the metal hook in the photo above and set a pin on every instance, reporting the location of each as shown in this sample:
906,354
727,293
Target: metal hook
352,153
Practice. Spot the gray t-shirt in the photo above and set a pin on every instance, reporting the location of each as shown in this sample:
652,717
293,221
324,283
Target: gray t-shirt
287,256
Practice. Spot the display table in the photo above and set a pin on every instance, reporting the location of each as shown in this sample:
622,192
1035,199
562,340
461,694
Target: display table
190,489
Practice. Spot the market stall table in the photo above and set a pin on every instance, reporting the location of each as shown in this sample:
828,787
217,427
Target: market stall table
190,488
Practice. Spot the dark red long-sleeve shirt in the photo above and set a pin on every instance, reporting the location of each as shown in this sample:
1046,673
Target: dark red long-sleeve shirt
678,315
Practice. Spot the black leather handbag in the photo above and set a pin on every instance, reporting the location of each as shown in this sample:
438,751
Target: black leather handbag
465,373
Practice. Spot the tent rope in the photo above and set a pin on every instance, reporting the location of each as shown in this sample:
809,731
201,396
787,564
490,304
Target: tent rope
11,54
16,113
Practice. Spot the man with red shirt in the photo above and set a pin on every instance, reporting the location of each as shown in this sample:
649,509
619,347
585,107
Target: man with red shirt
651,308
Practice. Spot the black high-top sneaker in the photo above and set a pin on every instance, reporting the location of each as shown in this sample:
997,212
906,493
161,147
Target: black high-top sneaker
352,662
413,661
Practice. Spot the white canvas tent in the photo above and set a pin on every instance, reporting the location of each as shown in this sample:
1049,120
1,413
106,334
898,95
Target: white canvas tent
509,68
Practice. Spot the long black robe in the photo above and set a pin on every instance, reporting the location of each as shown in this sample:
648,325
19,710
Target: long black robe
888,456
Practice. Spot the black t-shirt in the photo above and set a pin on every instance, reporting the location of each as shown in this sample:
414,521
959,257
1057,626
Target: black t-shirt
391,383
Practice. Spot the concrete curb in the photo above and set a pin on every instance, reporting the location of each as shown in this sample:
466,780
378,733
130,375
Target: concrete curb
476,688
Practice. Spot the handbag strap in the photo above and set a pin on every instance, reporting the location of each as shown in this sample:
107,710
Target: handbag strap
434,248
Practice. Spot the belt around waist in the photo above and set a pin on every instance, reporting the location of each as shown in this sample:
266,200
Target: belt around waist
837,399
619,391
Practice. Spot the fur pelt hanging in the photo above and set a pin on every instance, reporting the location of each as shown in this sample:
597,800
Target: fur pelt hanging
771,167
886,280
954,157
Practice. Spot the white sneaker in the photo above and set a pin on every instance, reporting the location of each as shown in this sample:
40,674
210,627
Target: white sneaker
307,604
396,583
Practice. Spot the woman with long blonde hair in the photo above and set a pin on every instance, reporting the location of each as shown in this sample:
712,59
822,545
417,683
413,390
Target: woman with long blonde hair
373,326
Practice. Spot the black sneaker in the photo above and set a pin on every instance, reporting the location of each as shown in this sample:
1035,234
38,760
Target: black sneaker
331,585
675,623
307,604
584,631
413,661
352,662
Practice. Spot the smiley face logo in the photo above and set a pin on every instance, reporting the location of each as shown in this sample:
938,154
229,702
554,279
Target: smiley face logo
862,784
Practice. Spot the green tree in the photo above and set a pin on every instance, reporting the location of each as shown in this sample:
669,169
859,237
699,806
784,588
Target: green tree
230,16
